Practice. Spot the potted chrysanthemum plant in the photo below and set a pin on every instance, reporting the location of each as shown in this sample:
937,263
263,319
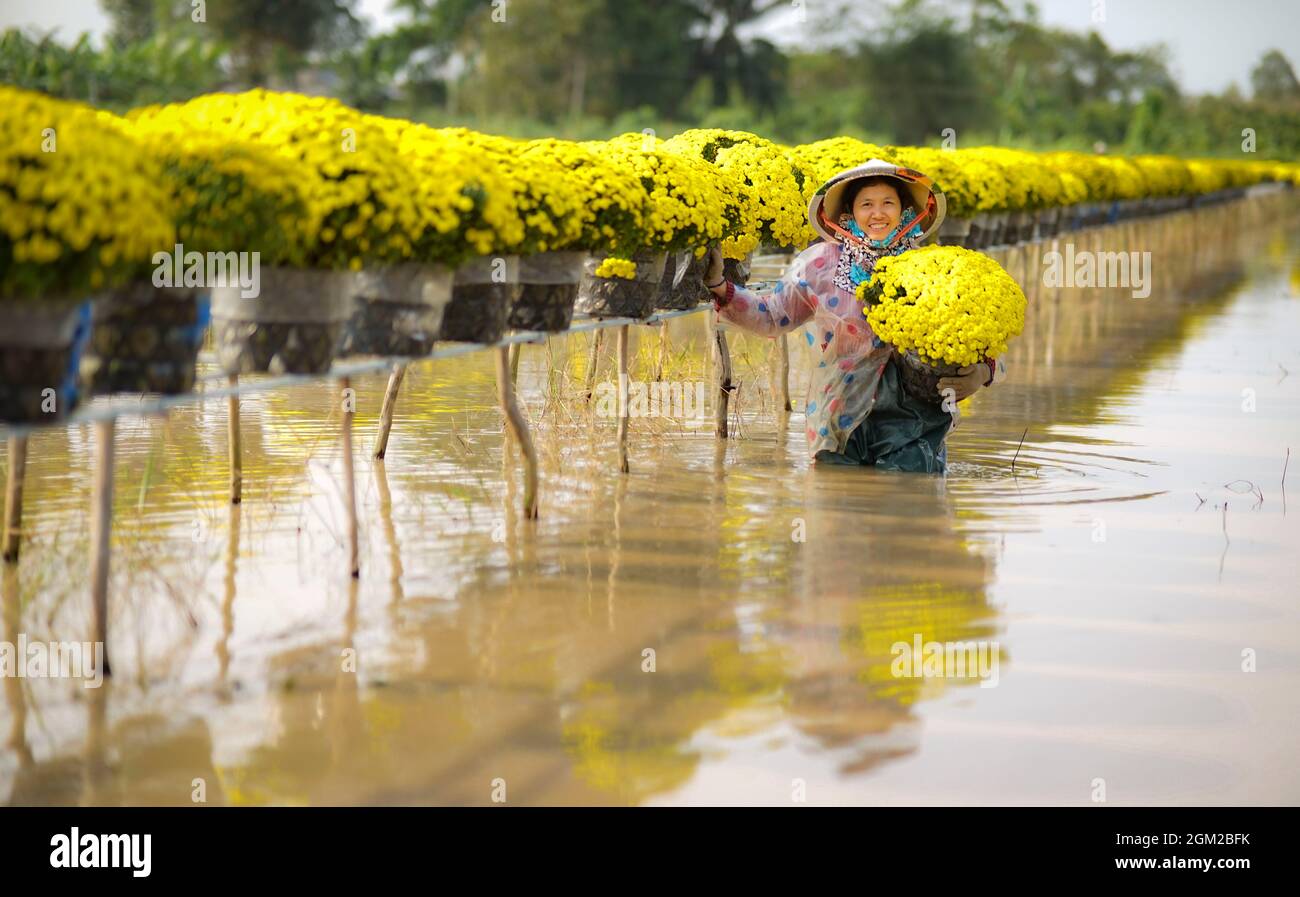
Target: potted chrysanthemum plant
82,211
360,211
765,188
594,205
941,308
684,207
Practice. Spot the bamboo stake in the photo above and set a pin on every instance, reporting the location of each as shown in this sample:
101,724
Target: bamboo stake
622,398
349,480
515,351
783,372
721,376
235,445
593,359
386,413
664,349
13,518
101,523
519,429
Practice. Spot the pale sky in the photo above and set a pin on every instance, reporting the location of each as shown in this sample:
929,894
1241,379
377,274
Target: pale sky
1213,43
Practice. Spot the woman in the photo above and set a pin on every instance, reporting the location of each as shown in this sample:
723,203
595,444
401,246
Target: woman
857,412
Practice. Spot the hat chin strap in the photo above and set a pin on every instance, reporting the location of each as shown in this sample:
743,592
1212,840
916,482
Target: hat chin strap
834,228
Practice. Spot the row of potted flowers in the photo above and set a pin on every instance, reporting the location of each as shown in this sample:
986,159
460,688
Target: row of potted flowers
996,180
373,235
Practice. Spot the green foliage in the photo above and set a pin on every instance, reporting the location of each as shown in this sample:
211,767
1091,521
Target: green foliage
987,69
153,70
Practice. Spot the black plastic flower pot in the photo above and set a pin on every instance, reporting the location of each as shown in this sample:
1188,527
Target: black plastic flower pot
737,270
919,379
481,294
620,297
1049,223
40,359
145,339
549,288
397,311
954,231
682,283
293,326
1021,226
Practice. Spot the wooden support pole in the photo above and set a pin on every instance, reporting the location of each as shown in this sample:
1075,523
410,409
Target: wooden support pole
593,360
101,530
518,429
721,376
516,349
782,395
386,413
349,479
622,398
13,520
235,445
664,352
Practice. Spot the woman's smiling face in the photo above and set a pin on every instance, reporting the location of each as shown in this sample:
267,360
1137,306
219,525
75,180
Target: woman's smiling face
877,210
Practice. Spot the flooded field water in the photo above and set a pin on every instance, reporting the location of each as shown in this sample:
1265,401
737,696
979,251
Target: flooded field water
1128,574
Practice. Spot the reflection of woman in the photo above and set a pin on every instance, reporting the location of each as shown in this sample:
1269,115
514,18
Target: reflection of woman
929,581
856,411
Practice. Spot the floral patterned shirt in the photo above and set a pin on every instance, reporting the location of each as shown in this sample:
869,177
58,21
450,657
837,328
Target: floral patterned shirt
844,382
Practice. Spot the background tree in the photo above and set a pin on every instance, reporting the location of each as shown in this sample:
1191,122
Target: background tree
273,38
1273,80
883,70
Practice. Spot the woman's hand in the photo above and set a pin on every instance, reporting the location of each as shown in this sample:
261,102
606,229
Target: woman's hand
968,380
713,270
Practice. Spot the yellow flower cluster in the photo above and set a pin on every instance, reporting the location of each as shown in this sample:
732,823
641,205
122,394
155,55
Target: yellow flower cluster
82,208
459,216
971,183
1083,178
360,198
1032,183
950,305
616,267
534,185
687,203
608,201
822,160
230,195
1164,175
768,187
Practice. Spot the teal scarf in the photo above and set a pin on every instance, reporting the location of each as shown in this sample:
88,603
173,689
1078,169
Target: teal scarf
860,255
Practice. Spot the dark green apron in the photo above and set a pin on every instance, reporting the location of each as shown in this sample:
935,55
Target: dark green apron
900,433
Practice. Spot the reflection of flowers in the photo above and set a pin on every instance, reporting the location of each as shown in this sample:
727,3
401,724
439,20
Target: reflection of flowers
932,611
616,749
617,755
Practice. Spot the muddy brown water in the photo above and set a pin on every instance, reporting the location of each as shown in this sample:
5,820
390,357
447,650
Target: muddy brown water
1136,571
